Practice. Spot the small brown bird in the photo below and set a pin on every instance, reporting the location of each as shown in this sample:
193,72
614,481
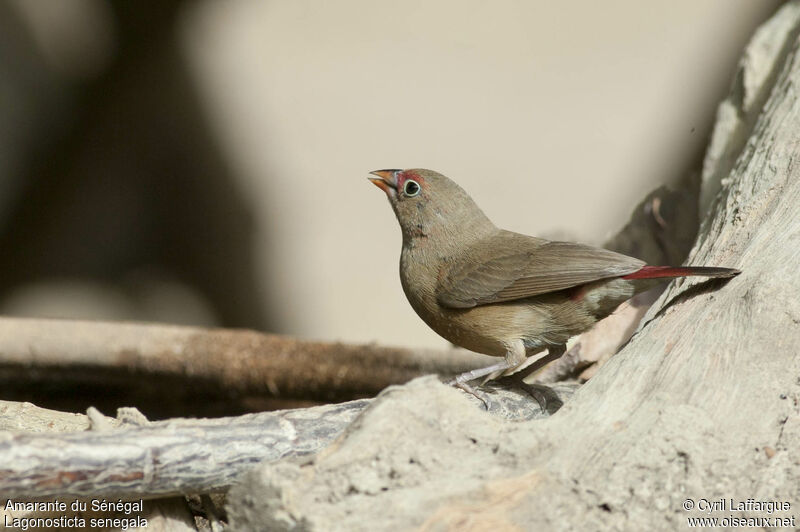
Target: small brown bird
501,293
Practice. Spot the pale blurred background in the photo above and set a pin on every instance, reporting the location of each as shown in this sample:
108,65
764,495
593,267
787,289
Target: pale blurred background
205,162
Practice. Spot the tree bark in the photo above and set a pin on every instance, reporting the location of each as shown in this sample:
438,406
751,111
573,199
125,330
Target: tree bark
702,405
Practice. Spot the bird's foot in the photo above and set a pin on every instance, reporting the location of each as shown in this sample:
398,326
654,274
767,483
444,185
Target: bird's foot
507,373
472,391
461,380
546,398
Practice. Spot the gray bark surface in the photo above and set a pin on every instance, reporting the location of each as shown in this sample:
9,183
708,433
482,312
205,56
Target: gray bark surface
702,403
162,458
48,453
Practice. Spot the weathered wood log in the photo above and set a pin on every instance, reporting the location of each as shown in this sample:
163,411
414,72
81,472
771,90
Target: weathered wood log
177,456
163,458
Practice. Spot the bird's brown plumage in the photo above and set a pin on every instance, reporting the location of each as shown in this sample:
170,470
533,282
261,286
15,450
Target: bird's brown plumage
497,292
506,266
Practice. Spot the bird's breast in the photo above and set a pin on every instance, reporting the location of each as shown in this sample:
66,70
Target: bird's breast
475,329
418,274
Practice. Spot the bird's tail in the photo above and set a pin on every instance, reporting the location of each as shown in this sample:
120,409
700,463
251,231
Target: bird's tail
655,272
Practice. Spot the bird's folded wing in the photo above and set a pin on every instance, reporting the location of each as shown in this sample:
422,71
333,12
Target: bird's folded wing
511,266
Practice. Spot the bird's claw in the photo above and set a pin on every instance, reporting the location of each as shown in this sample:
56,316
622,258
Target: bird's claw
470,390
540,394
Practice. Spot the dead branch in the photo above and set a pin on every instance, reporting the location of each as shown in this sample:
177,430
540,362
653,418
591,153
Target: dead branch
232,362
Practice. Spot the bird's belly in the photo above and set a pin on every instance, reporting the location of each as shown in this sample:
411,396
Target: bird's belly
488,329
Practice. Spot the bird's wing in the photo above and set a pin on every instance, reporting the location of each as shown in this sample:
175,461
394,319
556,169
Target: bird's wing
509,266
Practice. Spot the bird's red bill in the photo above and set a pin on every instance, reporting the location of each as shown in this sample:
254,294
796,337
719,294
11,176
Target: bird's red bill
386,180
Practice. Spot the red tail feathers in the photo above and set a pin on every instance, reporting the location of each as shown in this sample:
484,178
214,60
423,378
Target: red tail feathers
655,272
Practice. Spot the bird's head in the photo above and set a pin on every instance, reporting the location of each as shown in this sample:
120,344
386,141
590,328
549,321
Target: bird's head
427,203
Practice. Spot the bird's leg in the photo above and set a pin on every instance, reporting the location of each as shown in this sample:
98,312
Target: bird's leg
461,380
515,355
553,352
539,392
480,372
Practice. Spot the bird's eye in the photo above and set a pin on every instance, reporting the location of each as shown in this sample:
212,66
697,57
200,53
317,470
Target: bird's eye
411,188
